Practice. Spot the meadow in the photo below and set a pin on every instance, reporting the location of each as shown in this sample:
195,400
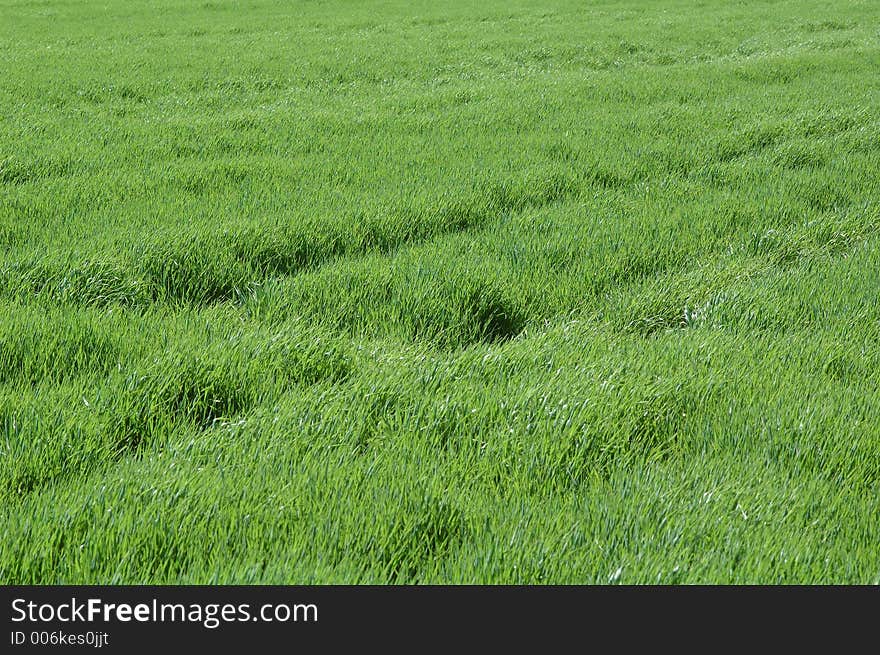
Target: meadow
439,292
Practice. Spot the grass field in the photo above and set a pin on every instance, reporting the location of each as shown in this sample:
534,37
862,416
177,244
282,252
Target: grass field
439,292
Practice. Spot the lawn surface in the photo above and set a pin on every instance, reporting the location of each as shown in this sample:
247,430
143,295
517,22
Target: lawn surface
430,292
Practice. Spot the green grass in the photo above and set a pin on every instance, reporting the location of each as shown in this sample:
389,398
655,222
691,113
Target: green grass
420,292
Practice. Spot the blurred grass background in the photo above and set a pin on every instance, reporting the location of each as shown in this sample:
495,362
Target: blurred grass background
410,292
